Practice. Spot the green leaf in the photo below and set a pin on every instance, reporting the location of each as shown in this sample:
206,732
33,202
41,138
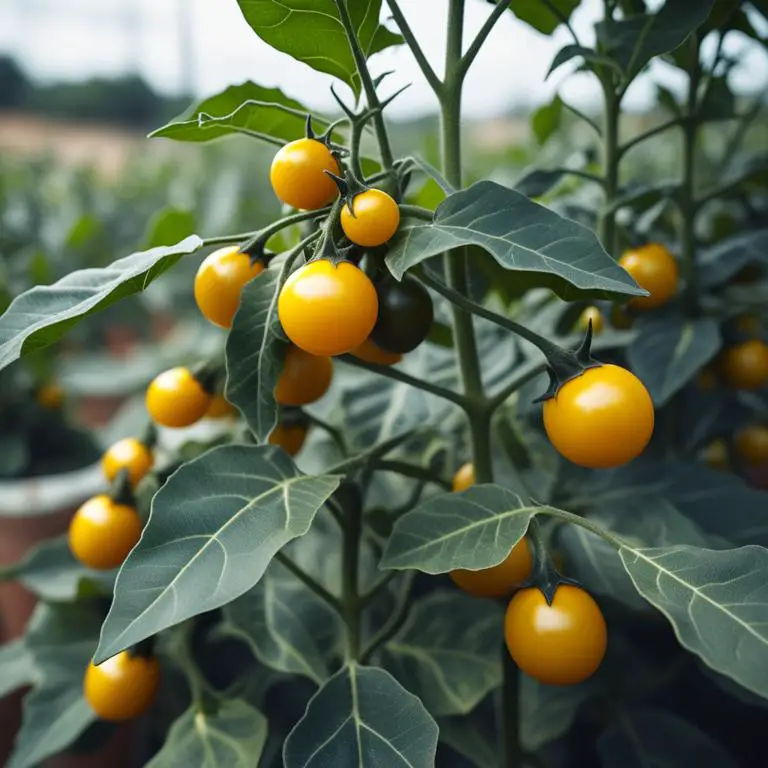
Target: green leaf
474,529
246,106
233,736
667,99
716,601
448,652
633,42
312,32
214,528
168,226
722,261
16,667
51,572
545,121
466,737
281,621
654,737
538,181
669,350
256,348
522,236
540,17
572,51
362,717
43,314
60,639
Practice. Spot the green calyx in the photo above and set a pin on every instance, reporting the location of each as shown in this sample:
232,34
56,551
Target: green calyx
349,188
120,490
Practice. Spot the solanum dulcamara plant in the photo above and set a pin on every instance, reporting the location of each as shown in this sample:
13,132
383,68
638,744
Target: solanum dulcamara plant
485,491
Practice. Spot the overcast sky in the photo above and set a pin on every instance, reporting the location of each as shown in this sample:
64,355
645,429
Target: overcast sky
72,39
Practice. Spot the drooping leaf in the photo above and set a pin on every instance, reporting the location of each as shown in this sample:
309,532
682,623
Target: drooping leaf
281,621
16,667
544,248
716,601
545,121
312,32
256,348
43,314
654,737
233,736
167,227
722,261
60,639
538,181
474,529
542,18
572,51
669,350
634,41
362,717
213,530
448,652
246,106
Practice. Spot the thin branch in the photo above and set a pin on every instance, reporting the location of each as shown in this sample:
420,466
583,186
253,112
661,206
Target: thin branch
396,620
377,587
411,470
588,120
410,39
562,18
466,60
586,175
335,434
309,582
624,148
272,229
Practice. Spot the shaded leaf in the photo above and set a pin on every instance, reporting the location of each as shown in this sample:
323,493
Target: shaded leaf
722,261
60,640
538,182
540,17
448,652
213,530
572,51
363,717
545,121
522,236
716,601
43,314
232,736
464,736
313,33
256,348
16,667
669,350
474,529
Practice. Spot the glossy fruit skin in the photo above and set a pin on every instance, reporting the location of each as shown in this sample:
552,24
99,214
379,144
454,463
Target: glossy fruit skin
369,352
752,445
123,687
176,399
745,366
220,408
561,644
501,579
298,174
289,438
305,378
602,418
464,477
327,309
405,315
654,269
596,316
102,533
219,282
50,396
128,453
372,220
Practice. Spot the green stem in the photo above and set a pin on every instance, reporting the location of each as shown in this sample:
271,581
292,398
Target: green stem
526,373
264,234
411,470
611,159
657,129
474,48
309,582
396,620
385,150
335,434
509,727
586,118
350,596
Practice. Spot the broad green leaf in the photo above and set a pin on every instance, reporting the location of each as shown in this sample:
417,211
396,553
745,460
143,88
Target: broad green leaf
522,236
214,528
474,529
722,261
634,41
540,17
448,652
16,667
256,348
51,572
43,314
669,350
572,51
538,181
545,121
233,736
311,31
60,639
716,601
362,717
654,737
465,736
281,621
246,106
168,226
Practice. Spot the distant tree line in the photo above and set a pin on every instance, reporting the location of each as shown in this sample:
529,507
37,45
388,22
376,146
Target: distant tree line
126,100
